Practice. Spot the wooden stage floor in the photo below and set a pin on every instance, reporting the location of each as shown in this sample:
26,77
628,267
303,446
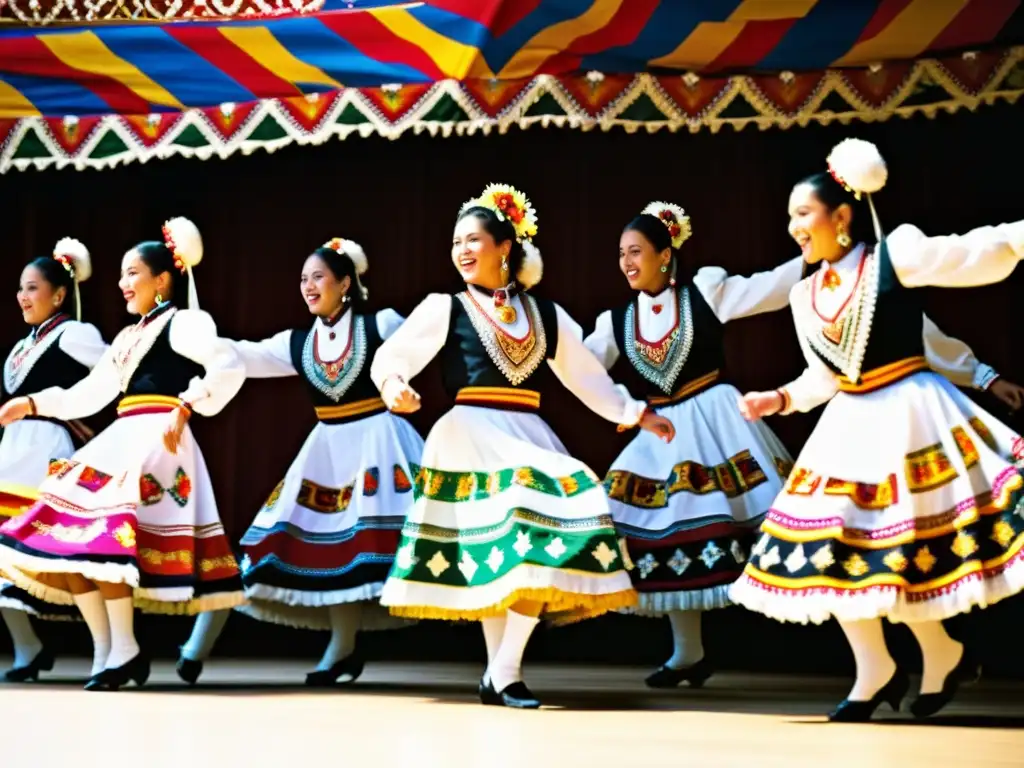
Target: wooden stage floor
253,714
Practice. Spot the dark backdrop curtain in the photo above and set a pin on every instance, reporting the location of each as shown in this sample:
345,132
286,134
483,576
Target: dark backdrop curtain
261,215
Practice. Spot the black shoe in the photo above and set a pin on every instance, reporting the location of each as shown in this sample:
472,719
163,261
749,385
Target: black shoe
695,674
488,695
891,693
188,670
43,662
350,667
136,670
514,696
966,672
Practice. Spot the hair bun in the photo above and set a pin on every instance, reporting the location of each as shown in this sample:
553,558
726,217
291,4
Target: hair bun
182,238
858,166
531,268
76,252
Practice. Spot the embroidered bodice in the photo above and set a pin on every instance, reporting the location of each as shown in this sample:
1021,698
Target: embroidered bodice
346,377
147,363
691,348
480,352
869,321
37,361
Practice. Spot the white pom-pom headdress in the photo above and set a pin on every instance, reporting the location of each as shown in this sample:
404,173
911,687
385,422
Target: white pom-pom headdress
531,270
74,257
183,240
355,252
859,167
675,220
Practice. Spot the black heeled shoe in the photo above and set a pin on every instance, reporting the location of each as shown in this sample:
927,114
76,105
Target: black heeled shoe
43,662
695,674
966,672
892,693
488,696
188,670
514,696
136,670
351,667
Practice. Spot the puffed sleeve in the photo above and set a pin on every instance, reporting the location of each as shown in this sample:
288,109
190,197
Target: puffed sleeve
584,375
88,396
83,343
954,359
982,256
601,342
732,297
193,335
266,359
388,321
412,346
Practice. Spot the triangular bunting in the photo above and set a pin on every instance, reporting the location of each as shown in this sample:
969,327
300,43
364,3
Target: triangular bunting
739,108
693,96
352,115
595,95
267,130
71,132
307,112
393,104
835,104
149,130
109,145
973,72
545,105
643,110
31,146
192,138
790,94
495,97
877,87
228,119
445,110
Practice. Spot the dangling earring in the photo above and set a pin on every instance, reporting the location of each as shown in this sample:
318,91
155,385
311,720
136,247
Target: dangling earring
159,299
842,238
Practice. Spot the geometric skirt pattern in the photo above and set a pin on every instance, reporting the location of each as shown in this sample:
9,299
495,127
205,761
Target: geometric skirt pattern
940,532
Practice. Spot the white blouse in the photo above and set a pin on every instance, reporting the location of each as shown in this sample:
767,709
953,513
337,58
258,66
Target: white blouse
81,342
193,334
423,335
272,357
730,297
982,256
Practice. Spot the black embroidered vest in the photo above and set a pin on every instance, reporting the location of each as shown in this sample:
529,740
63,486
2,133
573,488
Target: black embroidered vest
343,381
473,355
53,368
162,371
697,351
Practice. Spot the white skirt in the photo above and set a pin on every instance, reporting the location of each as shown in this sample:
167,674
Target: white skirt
328,533
504,514
26,450
690,510
906,502
124,510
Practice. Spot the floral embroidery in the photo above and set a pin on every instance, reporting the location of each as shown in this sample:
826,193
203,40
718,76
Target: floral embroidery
125,535
60,468
517,359
321,498
334,378
150,490
92,479
966,445
274,496
733,477
928,468
181,491
402,483
371,481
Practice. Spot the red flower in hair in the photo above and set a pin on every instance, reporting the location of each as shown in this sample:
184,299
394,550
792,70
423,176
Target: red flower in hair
507,205
169,242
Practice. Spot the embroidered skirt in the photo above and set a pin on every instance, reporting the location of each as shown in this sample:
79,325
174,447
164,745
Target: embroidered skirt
328,533
905,503
26,450
124,510
690,510
503,514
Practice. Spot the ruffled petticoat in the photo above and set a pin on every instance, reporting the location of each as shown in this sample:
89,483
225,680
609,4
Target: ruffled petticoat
690,510
328,533
125,510
503,514
905,503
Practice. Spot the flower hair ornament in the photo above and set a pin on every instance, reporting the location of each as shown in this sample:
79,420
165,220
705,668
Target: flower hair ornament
511,205
74,257
356,254
183,240
676,222
859,167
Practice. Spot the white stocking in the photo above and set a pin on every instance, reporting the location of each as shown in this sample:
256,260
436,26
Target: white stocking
345,621
507,666
123,648
493,629
207,629
875,666
939,653
94,611
686,637
27,644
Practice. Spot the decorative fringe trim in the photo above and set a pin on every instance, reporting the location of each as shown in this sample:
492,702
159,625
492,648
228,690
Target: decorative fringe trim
311,599
19,567
816,606
657,604
307,610
561,607
145,601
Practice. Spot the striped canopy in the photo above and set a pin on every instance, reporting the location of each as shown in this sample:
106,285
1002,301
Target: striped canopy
145,67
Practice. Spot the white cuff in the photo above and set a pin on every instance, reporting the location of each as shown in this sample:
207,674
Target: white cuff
984,375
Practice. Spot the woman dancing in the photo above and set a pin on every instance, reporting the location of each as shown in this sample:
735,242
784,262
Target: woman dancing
506,526
905,502
58,352
132,514
318,552
689,510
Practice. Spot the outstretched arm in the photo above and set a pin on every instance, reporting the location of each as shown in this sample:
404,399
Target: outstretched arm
982,256
270,358
732,297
